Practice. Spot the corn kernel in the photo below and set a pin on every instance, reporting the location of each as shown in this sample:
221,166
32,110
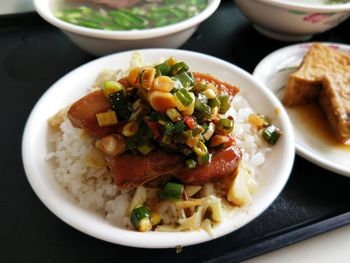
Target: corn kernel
155,218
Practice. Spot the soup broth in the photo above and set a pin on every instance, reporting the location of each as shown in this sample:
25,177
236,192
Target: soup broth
128,15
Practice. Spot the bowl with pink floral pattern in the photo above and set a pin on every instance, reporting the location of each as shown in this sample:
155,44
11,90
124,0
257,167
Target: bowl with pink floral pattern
294,20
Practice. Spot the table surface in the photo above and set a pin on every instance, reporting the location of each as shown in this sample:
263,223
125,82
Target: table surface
33,55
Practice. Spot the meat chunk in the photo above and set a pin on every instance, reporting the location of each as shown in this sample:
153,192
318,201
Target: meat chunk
83,112
222,86
130,170
335,102
223,163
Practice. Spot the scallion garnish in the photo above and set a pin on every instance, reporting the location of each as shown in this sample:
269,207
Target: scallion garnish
169,128
164,68
184,97
226,125
179,126
178,68
224,104
140,219
190,163
200,149
271,134
120,105
172,191
146,147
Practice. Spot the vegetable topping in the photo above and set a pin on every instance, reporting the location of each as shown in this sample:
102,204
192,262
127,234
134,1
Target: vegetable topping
165,106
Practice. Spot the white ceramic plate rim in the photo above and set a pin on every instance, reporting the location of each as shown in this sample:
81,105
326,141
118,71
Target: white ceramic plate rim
43,8
308,155
308,7
85,221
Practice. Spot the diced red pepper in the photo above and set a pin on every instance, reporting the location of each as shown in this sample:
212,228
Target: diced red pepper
154,126
190,122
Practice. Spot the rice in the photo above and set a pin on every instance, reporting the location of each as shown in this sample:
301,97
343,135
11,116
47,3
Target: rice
86,178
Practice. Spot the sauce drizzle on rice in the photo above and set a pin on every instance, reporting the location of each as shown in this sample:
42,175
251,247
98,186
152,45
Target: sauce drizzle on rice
156,158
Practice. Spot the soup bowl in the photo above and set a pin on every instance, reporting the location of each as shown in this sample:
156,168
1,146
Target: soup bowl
101,42
296,20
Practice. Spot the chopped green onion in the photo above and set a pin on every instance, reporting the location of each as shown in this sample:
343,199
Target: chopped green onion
184,97
179,126
140,219
204,159
178,67
145,148
210,94
190,163
226,125
202,107
202,98
119,104
110,87
200,149
271,134
197,130
173,114
185,78
224,104
172,191
164,68
214,103
169,128
187,134
209,132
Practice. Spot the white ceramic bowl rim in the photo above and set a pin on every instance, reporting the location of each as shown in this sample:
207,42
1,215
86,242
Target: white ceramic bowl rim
308,7
80,218
43,8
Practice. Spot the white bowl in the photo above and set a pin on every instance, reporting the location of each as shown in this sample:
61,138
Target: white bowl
272,175
102,42
289,20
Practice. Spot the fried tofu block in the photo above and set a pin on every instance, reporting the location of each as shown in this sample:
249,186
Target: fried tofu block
305,84
335,101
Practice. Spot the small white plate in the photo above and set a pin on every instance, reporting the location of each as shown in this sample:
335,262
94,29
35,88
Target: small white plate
312,143
273,174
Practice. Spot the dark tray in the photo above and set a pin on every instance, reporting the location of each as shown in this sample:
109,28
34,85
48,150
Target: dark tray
33,55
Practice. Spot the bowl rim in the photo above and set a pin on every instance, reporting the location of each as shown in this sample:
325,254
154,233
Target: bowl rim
43,9
308,7
190,238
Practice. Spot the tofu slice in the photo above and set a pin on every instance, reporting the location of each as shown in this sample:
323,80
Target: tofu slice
335,102
305,84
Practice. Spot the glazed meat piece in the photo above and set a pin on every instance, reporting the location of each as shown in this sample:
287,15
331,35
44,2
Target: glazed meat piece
109,3
159,164
131,170
223,163
222,86
83,112
335,102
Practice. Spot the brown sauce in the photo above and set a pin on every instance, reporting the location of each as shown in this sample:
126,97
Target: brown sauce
315,120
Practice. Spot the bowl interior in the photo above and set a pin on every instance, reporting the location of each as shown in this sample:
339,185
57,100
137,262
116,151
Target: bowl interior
272,176
48,8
